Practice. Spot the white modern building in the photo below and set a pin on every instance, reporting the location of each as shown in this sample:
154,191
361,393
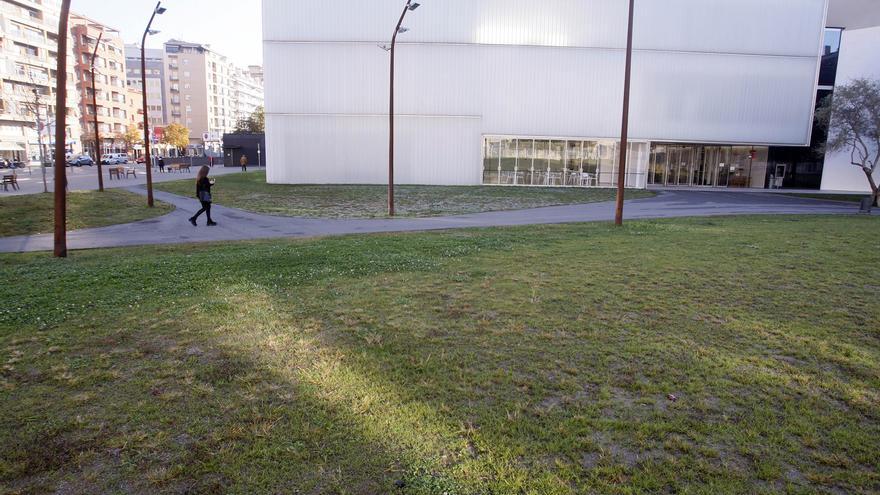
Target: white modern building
859,58
530,91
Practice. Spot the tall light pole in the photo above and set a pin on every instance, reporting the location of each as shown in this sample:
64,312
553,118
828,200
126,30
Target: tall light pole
147,162
40,137
410,5
97,124
61,135
621,169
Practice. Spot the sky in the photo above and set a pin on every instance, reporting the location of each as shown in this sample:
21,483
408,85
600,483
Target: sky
232,27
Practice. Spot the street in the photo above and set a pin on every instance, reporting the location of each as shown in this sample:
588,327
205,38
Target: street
86,178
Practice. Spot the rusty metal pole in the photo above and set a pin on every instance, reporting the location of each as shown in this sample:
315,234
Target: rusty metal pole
624,144
147,162
61,136
97,124
406,8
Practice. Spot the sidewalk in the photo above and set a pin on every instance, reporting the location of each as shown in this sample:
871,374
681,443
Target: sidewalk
235,225
86,178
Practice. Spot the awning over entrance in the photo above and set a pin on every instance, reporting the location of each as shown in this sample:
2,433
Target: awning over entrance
7,146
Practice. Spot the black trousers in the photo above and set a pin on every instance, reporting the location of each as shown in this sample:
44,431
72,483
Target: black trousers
206,208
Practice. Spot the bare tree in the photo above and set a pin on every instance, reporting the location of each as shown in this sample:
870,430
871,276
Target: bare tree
32,103
852,115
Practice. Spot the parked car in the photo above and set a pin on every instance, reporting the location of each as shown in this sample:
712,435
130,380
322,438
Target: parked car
141,159
4,163
80,161
114,158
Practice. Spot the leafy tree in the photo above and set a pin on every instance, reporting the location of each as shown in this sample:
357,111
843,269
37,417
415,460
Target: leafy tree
852,114
176,135
255,123
132,137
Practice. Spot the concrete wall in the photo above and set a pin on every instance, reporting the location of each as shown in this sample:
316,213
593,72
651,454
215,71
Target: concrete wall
710,71
859,57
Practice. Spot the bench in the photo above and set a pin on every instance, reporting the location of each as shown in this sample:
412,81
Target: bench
12,180
117,171
130,171
183,166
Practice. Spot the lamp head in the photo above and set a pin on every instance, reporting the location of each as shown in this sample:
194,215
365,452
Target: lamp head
402,30
153,32
160,10
414,5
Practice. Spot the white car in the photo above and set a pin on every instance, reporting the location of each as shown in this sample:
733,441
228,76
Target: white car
114,158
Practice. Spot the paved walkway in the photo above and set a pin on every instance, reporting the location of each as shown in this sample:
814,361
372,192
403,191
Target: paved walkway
240,225
86,178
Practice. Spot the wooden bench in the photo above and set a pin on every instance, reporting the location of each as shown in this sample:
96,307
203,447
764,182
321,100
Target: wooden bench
117,171
184,166
172,168
130,171
12,180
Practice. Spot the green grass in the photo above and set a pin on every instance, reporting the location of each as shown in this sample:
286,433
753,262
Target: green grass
849,198
34,213
532,360
250,192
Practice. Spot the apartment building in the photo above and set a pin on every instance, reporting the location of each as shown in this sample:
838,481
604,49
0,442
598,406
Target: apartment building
256,72
206,92
114,105
28,63
247,92
155,80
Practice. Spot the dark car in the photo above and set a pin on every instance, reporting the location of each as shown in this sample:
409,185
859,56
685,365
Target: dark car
80,161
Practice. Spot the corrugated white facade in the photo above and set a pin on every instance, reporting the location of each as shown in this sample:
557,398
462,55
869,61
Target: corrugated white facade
704,71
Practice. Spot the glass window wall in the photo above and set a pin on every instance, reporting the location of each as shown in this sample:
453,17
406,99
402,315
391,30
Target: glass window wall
707,166
561,162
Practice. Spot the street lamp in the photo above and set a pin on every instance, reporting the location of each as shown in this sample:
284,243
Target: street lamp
399,29
147,162
621,168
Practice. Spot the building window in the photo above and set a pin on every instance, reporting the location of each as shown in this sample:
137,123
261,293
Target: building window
560,162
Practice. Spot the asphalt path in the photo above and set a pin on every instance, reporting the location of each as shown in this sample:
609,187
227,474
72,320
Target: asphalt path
236,225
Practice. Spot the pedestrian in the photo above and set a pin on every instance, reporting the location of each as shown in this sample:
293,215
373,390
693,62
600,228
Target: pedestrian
161,165
243,161
203,192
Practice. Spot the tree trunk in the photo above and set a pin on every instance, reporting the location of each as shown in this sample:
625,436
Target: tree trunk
874,190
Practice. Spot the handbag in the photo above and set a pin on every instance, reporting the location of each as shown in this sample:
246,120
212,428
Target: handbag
205,196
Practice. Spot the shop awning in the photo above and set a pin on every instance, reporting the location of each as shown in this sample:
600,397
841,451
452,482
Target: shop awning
7,146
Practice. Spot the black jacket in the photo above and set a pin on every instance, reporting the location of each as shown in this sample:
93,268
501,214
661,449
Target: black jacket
204,184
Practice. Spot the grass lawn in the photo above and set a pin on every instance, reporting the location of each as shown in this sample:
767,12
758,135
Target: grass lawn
34,213
533,360
249,191
849,198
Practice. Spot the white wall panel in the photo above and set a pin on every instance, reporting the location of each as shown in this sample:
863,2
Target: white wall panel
722,98
785,27
545,22
779,27
543,91
326,149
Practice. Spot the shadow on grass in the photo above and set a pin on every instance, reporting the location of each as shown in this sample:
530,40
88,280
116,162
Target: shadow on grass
458,362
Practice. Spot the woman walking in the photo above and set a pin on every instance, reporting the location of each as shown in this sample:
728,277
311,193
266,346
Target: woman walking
203,192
